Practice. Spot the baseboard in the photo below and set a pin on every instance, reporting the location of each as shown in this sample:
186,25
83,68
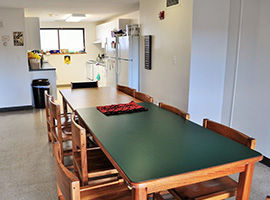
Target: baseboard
16,108
63,85
265,161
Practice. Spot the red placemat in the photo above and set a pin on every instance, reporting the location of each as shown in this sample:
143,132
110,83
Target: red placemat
117,109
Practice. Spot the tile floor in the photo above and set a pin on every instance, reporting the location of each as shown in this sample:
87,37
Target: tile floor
26,162
27,165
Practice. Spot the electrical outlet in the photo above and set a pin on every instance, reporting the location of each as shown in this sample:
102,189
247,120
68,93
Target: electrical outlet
156,101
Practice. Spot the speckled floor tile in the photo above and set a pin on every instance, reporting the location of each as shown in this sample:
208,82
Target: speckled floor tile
27,165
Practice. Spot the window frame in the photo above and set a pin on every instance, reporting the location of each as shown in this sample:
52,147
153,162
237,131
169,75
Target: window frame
58,30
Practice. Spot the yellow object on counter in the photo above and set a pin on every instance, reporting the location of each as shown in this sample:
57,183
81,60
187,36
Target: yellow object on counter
33,55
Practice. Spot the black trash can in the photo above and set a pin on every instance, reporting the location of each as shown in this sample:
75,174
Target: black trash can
39,86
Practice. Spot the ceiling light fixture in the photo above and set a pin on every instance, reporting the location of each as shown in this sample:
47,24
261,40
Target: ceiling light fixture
75,17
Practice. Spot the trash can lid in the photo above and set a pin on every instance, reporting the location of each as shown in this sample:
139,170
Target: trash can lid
37,82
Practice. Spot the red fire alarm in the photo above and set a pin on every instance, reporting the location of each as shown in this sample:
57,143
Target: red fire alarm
161,15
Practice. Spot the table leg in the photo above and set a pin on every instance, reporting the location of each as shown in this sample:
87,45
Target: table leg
139,193
244,183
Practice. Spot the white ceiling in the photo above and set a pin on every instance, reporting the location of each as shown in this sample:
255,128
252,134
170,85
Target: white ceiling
59,10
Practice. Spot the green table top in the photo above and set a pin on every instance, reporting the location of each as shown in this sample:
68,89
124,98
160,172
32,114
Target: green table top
157,143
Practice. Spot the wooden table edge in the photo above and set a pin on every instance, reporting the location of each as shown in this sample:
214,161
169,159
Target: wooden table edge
65,103
195,176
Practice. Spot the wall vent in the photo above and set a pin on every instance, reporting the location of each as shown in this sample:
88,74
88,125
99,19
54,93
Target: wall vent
172,3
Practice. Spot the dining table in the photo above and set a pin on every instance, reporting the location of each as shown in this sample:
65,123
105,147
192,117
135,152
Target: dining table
156,150
91,97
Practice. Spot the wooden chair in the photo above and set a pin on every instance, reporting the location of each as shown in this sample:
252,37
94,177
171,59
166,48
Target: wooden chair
143,97
88,163
175,110
220,188
68,185
87,84
127,90
47,106
60,130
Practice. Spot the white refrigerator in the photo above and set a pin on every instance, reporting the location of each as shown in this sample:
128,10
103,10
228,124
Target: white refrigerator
123,61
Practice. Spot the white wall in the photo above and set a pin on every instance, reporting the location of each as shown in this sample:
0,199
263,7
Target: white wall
208,59
231,61
32,38
76,71
15,85
171,38
251,111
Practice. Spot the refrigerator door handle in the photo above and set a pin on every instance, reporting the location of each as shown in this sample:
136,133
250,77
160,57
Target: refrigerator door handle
124,59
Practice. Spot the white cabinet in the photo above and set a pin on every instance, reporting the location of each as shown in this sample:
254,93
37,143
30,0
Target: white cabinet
100,75
104,30
96,72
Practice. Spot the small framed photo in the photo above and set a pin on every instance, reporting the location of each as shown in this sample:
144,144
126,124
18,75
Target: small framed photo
18,38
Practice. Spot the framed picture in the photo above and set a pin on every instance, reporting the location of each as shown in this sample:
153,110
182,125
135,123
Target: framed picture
18,38
148,52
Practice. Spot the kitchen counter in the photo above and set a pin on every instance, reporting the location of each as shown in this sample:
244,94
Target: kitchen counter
45,67
46,72
101,63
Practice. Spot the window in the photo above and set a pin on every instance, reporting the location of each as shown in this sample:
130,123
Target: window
65,40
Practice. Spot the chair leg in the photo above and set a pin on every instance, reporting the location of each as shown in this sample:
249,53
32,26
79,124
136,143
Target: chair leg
49,138
157,196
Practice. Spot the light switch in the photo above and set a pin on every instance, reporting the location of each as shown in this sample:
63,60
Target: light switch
174,60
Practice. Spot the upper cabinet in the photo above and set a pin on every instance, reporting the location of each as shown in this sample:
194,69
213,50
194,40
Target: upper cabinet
32,29
104,30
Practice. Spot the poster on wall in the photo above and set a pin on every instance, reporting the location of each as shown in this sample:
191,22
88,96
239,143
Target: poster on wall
148,52
18,38
67,59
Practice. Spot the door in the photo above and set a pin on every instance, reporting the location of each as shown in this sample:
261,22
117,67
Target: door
123,60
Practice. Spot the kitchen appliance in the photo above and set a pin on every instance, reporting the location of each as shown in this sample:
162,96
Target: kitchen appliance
122,54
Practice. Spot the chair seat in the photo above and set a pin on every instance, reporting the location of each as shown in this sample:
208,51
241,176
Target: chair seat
220,188
66,133
117,191
97,163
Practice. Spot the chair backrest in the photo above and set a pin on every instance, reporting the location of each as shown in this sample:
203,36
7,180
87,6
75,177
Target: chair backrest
68,185
48,98
88,84
127,90
55,123
230,133
175,110
47,102
79,146
143,97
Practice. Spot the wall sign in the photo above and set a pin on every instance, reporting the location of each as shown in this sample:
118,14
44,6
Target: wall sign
18,38
172,3
67,59
148,51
